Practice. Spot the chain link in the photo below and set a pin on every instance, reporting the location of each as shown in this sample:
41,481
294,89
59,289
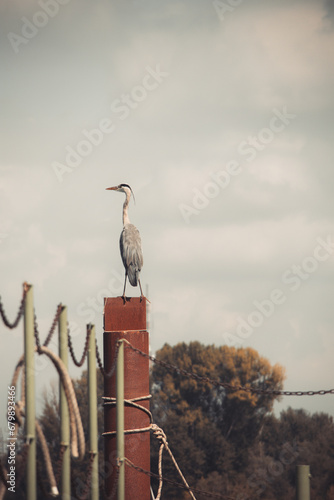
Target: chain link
60,462
113,366
226,385
36,333
114,489
99,360
20,311
179,485
51,331
70,346
53,326
88,480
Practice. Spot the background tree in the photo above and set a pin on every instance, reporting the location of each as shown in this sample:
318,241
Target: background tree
209,428
312,437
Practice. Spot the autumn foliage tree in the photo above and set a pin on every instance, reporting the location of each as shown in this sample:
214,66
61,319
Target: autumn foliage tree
210,428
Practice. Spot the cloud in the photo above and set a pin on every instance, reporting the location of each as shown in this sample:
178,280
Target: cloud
281,172
329,6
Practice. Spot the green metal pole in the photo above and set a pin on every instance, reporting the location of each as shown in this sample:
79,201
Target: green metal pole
65,484
29,350
120,421
92,396
303,482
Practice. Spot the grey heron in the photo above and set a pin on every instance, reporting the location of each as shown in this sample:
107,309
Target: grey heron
130,243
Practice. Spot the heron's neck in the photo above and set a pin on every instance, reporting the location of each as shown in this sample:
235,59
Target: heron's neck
126,219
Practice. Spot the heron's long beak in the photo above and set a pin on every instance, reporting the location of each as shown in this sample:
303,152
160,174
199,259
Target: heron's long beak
113,188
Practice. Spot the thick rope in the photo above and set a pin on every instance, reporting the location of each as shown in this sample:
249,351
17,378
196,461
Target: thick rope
161,436
47,459
129,402
206,494
161,449
77,433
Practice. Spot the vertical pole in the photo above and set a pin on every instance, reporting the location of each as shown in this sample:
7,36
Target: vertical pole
29,350
92,396
127,321
120,421
65,485
303,482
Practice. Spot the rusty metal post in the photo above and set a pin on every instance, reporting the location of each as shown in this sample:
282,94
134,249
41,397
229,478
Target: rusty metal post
127,321
120,421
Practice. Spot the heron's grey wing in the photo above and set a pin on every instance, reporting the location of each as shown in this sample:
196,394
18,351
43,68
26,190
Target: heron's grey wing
131,252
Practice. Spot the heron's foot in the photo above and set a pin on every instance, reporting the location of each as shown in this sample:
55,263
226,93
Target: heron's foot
142,297
124,299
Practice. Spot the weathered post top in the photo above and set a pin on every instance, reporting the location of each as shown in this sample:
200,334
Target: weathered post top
121,317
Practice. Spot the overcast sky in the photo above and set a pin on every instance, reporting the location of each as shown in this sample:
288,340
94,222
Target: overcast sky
220,117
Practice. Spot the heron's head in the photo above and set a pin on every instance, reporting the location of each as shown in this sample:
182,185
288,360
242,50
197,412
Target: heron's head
122,188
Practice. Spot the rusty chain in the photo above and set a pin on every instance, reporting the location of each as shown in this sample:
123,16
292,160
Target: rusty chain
60,462
53,326
36,333
114,489
174,483
226,385
20,311
99,360
113,366
51,331
88,480
70,346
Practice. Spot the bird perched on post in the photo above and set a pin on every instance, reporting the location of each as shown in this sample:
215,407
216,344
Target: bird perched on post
130,243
